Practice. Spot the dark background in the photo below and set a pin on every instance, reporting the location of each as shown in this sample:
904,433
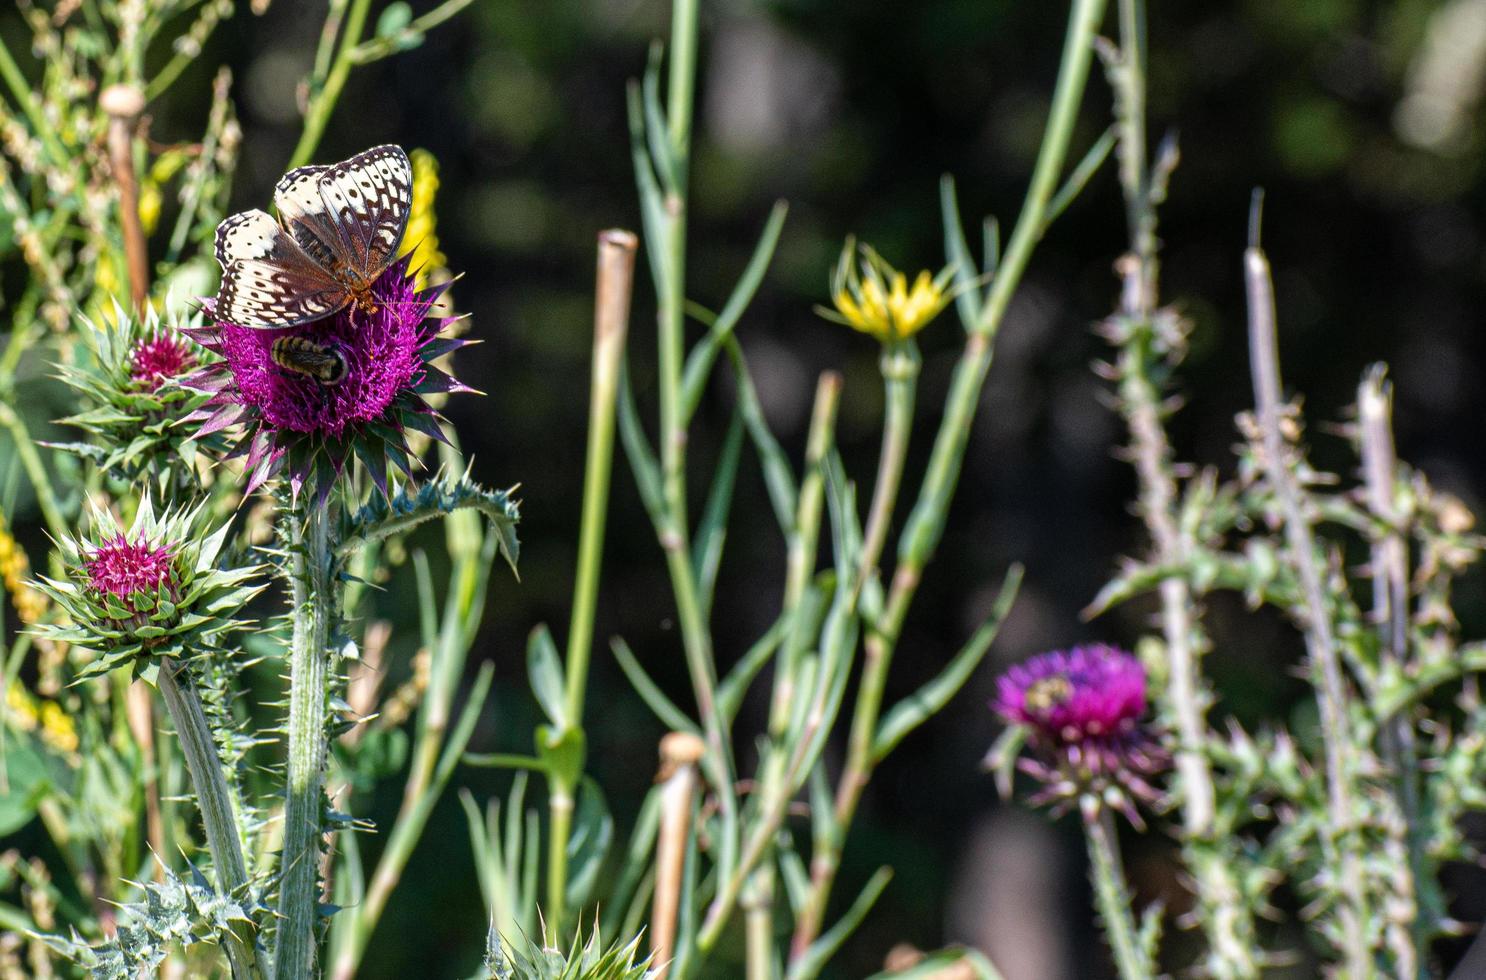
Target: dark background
851,110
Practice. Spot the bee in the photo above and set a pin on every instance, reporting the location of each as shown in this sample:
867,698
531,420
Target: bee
322,362
1048,693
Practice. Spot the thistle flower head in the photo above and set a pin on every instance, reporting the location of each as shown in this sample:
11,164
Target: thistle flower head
308,397
875,298
151,590
127,381
1081,711
160,357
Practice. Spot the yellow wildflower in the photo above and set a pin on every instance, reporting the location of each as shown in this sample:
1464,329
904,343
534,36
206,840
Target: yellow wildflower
15,570
57,730
20,707
421,236
873,297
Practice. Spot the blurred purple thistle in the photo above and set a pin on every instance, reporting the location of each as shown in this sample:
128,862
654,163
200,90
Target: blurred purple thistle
1081,709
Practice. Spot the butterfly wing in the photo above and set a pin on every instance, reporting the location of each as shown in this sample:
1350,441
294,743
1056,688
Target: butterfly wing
267,279
303,212
368,197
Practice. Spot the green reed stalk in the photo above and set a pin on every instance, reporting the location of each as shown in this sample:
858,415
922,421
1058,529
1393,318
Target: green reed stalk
311,593
613,287
223,838
1113,897
900,367
926,521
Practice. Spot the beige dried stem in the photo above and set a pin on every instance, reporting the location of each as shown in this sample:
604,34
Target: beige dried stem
123,104
679,754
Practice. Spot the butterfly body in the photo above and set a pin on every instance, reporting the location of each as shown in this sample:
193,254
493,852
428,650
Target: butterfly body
301,355
338,229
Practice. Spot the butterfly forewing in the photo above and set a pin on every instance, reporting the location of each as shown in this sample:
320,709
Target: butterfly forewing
368,197
303,213
339,227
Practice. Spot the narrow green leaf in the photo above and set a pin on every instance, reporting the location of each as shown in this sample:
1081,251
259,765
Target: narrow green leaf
711,533
913,710
665,709
779,478
957,251
699,363
734,686
637,450
544,669
593,831
809,965
1081,175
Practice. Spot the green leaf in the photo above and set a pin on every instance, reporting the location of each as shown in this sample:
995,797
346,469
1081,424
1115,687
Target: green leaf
544,668
706,556
915,709
562,753
27,783
809,965
967,295
1081,175
593,832
665,709
699,363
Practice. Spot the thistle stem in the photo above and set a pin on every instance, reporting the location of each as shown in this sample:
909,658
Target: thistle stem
1113,898
311,594
223,838
1339,843
926,521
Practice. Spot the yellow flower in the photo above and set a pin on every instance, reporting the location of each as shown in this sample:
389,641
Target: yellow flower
20,707
15,568
873,297
422,231
57,730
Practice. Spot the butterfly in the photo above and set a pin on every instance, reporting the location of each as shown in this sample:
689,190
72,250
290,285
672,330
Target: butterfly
301,355
339,227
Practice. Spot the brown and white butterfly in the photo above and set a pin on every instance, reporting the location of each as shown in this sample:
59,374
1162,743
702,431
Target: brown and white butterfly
338,229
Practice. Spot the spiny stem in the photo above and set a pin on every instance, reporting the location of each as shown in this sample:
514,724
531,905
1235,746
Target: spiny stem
1338,840
1390,569
223,838
311,594
926,521
1113,898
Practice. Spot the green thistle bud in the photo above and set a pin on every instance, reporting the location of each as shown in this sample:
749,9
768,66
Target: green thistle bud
154,590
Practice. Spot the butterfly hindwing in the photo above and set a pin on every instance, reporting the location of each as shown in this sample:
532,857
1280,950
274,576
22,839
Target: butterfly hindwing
267,294
369,197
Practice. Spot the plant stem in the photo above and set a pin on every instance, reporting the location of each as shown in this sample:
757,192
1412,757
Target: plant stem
900,367
1390,569
223,838
1113,898
679,752
1320,640
123,104
322,103
615,281
616,271
926,521
41,481
311,594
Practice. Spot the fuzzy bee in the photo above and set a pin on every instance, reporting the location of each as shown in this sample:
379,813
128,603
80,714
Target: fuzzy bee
322,362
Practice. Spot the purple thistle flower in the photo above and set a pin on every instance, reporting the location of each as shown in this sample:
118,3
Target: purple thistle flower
118,570
301,423
1082,709
158,359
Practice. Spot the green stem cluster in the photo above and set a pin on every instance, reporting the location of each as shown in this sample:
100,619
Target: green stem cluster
926,521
